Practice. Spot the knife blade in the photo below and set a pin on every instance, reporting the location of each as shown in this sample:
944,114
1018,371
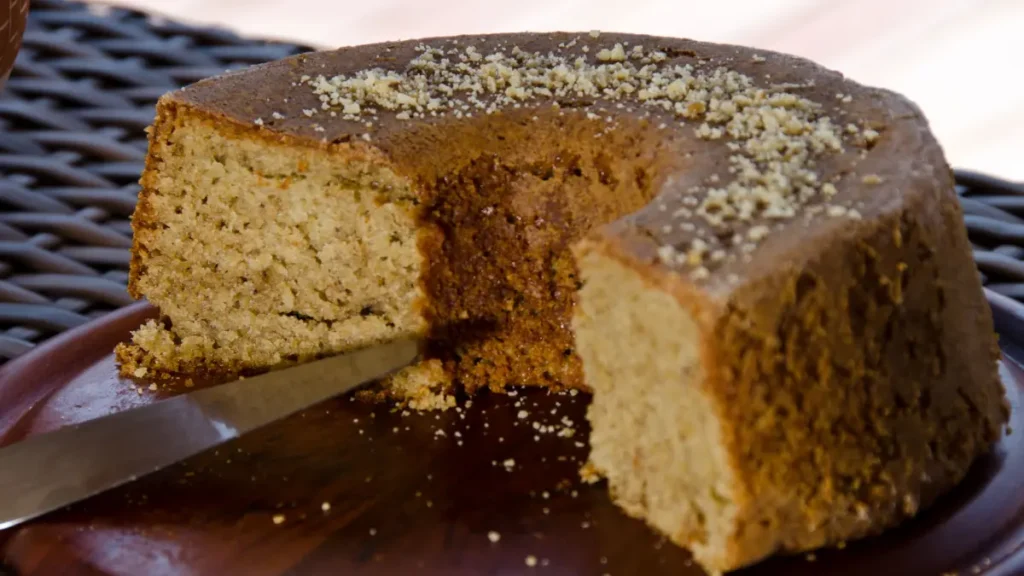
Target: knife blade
48,471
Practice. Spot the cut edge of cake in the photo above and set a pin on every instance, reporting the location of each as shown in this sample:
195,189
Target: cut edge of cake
656,434
783,437
314,248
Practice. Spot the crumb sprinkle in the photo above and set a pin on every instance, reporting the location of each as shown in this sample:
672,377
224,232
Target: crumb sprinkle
776,136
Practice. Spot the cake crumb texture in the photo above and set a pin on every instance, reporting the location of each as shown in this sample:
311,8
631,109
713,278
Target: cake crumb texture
259,254
656,435
828,401
422,386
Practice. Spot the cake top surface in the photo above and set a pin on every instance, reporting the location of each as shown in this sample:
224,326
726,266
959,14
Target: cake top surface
759,139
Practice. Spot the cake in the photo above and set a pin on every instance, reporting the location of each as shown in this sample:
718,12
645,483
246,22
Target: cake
757,266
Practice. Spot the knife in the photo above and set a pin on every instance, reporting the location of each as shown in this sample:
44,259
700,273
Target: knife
49,471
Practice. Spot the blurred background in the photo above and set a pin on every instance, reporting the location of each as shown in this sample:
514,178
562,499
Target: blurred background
960,60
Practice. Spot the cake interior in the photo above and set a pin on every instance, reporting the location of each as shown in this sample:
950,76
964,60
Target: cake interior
259,255
293,251
502,282
655,435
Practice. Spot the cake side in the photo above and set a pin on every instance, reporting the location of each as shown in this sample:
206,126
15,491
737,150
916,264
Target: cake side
851,371
656,432
861,384
262,251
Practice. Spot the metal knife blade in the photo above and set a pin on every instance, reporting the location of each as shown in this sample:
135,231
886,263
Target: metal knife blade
49,471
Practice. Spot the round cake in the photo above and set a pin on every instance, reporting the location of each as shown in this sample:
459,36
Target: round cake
757,266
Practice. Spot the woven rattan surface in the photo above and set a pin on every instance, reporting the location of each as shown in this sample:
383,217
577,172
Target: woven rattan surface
72,147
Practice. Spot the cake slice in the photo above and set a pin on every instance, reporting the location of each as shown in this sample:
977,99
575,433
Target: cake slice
838,394
757,266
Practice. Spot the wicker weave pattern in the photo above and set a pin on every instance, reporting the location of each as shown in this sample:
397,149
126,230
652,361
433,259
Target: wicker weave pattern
72,147
994,214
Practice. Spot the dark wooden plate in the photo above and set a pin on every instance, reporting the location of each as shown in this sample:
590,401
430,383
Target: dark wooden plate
419,494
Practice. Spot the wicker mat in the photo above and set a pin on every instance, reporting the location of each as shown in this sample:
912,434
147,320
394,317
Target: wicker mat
72,147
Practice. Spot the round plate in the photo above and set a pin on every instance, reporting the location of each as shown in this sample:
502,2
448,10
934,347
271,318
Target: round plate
425,493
